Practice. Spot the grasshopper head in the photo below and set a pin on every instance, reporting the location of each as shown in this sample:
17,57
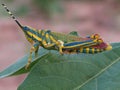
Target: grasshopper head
28,31
26,28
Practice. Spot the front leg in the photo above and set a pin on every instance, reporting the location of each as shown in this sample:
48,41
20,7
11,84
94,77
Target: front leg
34,48
46,42
60,45
53,42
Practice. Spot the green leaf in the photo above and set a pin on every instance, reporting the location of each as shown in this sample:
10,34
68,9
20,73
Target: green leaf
19,66
76,72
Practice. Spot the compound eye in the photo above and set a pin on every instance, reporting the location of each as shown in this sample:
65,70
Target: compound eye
96,36
100,41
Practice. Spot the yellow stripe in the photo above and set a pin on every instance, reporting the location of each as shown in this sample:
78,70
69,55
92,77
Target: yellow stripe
33,35
81,50
94,42
44,42
92,36
30,40
43,33
87,50
53,40
98,50
93,50
109,47
47,36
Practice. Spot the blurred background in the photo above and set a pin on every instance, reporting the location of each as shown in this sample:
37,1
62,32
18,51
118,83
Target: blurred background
84,16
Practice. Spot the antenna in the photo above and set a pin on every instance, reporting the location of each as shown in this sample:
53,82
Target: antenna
14,18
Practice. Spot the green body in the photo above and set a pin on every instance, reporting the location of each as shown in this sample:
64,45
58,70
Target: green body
66,37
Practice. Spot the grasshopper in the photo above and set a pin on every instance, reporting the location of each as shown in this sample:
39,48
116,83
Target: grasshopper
59,41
